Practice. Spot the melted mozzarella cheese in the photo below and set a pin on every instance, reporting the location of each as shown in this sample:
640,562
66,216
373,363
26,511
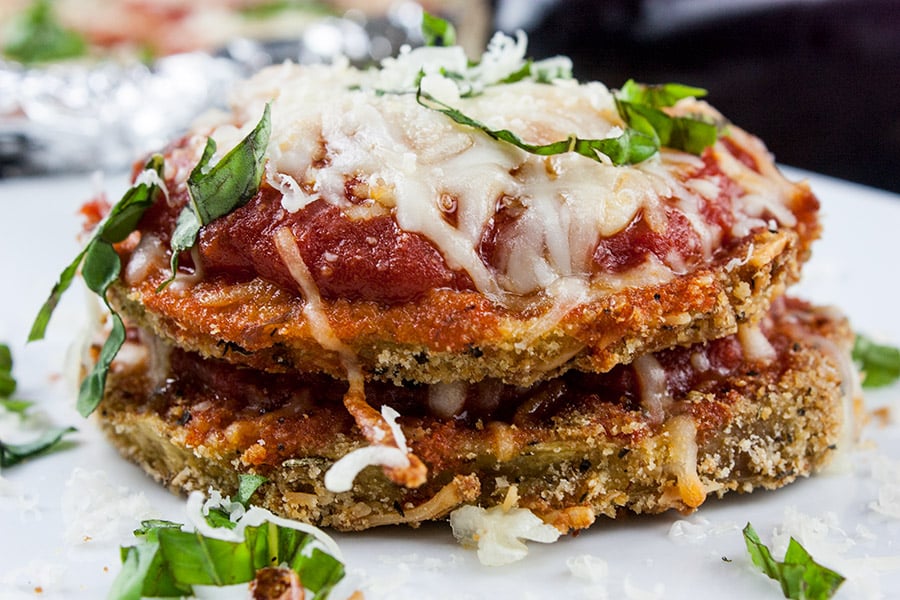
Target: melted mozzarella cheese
682,434
654,392
331,124
755,344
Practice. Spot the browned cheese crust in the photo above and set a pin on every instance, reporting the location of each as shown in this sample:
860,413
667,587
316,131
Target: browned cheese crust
576,447
462,335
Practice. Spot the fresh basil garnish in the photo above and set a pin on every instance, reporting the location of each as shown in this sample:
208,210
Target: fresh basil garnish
628,148
799,575
168,562
7,381
679,133
37,36
658,96
437,31
648,127
100,265
216,191
14,405
879,363
11,454
247,486
639,106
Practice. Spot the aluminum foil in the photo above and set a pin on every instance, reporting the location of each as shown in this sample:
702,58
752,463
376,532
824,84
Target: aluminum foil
82,116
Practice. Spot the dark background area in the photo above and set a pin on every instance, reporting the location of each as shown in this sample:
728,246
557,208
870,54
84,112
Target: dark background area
818,81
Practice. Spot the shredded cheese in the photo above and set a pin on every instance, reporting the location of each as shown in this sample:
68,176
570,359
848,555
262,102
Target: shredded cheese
755,344
99,511
198,506
654,391
498,534
411,158
682,435
590,568
389,443
339,478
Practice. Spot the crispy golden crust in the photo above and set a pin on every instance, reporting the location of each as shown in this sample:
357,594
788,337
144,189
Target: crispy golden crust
573,454
462,335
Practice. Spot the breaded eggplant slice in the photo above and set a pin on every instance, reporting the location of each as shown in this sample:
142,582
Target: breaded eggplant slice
755,410
429,250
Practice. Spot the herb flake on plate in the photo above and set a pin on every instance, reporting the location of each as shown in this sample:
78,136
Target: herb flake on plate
879,363
12,454
800,577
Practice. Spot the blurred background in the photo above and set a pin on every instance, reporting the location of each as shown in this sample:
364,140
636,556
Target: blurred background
818,80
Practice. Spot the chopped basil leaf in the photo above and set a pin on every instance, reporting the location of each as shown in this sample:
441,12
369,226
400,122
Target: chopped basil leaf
101,265
216,191
187,227
321,572
219,518
665,94
437,32
6,361
799,575
879,363
11,454
7,381
194,559
522,73
630,147
648,127
16,406
39,327
168,561
680,133
122,219
150,527
143,573
247,486
37,36
7,384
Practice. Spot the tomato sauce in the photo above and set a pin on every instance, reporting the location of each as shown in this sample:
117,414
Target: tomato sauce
373,259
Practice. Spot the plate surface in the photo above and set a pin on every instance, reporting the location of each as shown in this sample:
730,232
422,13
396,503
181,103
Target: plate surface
63,515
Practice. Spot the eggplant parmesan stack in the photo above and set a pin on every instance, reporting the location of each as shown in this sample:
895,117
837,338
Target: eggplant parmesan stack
411,288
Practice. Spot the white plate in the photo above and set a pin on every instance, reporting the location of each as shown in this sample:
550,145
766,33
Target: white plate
854,267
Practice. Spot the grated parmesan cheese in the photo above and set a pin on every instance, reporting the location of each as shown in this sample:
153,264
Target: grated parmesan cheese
95,509
413,158
887,473
632,592
498,534
198,507
339,478
15,497
587,567
697,530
